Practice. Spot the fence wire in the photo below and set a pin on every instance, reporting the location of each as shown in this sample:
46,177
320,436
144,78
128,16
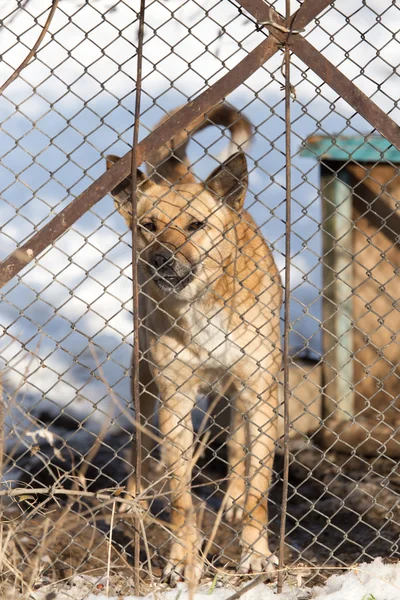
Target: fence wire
218,486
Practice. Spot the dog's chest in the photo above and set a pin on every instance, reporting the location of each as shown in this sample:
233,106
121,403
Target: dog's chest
211,341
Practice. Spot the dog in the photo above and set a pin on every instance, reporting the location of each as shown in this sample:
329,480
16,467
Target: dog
210,298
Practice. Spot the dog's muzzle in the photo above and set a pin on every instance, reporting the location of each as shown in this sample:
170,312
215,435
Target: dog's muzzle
168,272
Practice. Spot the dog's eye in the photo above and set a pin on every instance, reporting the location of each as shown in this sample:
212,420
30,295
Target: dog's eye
150,226
196,225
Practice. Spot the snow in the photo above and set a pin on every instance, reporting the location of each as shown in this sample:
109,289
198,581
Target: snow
219,593
366,581
373,581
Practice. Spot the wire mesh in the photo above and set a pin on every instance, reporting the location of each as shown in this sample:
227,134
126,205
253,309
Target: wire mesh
70,510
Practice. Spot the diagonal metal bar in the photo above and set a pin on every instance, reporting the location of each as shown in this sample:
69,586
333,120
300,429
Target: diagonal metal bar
46,236
347,90
111,178
330,74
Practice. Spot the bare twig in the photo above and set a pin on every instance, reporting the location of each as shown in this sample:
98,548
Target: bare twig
36,563
216,525
109,549
105,425
146,545
34,49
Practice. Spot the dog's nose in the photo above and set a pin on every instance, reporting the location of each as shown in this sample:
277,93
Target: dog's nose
160,259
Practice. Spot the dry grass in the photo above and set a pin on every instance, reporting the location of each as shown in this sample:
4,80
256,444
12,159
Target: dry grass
48,546
51,535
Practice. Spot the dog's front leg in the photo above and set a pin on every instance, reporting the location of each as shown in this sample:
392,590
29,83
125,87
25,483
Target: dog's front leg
148,398
175,415
257,401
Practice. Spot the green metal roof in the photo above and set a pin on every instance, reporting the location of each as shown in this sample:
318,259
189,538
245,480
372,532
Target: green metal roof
371,149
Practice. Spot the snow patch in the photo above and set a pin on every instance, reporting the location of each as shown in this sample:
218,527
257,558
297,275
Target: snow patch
367,581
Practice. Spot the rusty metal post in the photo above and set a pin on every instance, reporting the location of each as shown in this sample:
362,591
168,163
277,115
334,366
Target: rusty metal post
288,219
337,206
135,290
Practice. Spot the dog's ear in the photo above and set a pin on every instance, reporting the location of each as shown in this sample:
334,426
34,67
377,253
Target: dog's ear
122,192
229,181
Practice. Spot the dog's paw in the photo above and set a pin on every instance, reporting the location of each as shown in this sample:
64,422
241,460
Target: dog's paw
173,574
184,562
257,563
184,571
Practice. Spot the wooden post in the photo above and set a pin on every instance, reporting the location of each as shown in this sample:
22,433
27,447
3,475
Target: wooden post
337,205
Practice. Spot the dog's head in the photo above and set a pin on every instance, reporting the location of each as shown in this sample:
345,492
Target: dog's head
185,232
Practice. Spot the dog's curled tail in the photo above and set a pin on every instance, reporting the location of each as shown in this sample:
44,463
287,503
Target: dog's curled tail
170,164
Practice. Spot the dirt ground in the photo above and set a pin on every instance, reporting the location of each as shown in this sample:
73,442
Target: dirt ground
341,510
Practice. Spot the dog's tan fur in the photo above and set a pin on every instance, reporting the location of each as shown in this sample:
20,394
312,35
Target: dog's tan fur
220,325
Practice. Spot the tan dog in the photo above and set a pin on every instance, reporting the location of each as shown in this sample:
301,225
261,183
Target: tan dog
209,308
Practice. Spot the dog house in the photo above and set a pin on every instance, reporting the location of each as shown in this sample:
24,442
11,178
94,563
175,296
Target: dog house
360,191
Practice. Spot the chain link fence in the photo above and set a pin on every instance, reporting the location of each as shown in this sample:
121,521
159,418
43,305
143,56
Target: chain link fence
77,517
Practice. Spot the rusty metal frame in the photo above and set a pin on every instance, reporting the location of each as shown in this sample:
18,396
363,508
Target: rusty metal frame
182,119
321,66
276,24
